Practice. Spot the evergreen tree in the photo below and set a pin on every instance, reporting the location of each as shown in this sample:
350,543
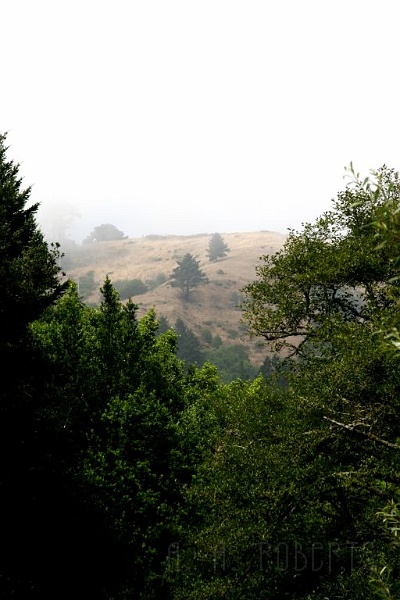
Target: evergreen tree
217,248
189,348
119,387
188,275
30,282
163,325
29,269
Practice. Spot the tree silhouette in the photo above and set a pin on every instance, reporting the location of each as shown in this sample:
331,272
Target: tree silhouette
189,348
217,248
104,233
29,457
187,275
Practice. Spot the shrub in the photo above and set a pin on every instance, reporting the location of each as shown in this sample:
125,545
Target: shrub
159,279
130,287
207,336
86,284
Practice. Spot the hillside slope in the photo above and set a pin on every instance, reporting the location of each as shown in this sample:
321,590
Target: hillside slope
213,308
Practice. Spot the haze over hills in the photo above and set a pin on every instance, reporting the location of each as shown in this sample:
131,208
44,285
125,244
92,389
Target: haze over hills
213,308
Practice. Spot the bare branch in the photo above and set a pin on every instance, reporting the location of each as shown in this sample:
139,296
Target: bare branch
352,427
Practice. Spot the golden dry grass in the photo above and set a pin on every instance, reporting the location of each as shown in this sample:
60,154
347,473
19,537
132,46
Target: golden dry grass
212,306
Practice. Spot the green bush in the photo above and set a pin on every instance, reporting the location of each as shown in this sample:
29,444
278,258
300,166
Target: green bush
217,341
207,335
86,285
130,287
159,279
232,362
232,333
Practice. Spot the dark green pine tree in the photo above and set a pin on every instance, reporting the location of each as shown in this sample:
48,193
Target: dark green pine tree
119,386
188,275
30,282
29,269
163,325
217,248
189,348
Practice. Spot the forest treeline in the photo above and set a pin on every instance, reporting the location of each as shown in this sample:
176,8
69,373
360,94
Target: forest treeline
127,474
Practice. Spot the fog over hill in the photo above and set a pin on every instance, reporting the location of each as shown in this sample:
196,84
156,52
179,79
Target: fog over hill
75,221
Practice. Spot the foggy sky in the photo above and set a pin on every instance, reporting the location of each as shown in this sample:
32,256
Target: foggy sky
196,116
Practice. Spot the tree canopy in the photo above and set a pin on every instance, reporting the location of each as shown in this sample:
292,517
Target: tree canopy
298,491
333,269
104,233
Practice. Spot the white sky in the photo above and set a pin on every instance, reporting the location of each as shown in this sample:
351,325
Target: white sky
197,116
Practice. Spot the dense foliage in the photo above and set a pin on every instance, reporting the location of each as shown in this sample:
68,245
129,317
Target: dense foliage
232,361
129,473
127,288
297,494
189,348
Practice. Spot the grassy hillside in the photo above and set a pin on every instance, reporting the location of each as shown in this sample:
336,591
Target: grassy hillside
213,308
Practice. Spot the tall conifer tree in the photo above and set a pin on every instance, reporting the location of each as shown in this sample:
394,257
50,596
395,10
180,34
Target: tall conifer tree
217,248
188,275
30,282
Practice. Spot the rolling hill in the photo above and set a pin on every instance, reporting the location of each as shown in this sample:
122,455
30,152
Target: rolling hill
213,309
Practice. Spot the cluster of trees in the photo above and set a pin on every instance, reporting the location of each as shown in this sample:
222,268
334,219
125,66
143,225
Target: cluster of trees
231,360
298,493
125,475
186,276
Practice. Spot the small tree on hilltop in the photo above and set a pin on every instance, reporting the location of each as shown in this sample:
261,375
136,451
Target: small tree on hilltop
217,248
104,233
187,275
